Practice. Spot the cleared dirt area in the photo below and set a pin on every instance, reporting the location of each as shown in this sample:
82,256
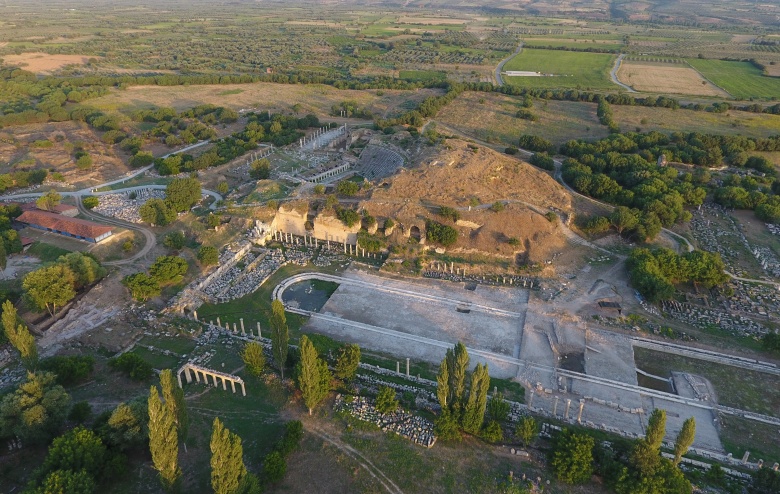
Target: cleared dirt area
492,118
52,146
667,79
44,63
263,96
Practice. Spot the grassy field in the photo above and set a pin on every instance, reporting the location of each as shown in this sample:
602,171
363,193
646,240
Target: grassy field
491,117
741,79
46,252
734,387
667,120
666,79
422,75
570,69
739,435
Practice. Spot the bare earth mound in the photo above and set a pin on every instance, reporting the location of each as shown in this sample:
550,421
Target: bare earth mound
455,176
662,78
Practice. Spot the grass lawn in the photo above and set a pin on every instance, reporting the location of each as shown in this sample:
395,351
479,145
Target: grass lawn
46,252
741,79
739,435
570,69
734,387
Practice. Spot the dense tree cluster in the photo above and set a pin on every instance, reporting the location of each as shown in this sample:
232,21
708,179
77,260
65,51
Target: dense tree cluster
440,233
53,286
654,273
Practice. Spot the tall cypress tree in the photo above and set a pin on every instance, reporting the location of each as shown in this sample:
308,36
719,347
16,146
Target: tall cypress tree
227,460
19,336
443,385
313,374
174,401
656,429
163,442
280,335
474,412
458,363
684,439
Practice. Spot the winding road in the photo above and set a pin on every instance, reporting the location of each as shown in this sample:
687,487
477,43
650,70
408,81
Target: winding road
500,66
613,74
150,239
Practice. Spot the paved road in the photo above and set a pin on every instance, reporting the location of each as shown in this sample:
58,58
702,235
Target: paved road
614,72
500,66
149,237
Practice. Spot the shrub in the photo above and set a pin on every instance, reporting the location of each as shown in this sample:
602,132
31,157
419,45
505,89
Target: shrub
386,401
442,234
543,161
133,365
80,412
511,151
208,255
448,212
274,467
70,370
90,202
348,216
497,207
493,432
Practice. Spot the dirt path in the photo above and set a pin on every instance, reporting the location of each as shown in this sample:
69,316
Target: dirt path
613,74
364,462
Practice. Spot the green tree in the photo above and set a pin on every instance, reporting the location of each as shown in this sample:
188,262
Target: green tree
142,286
174,401
474,413
175,240
623,218
765,481
35,410
66,482
213,220
223,188
446,426
280,335
19,336
3,257
78,449
274,467
319,189
572,457
443,390
347,188
182,193
208,256
90,202
347,362
656,429
85,268
254,358
156,212
80,412
386,401
684,439
526,430
49,200
163,442
84,162
498,407
168,269
457,365
313,374
227,460
127,427
260,169
493,432
49,287
133,365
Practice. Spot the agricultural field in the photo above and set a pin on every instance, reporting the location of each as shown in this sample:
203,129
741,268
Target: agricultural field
666,79
492,118
568,69
316,99
44,63
741,79
667,120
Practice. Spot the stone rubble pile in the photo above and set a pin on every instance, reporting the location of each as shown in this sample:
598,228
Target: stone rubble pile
753,298
492,280
121,207
252,279
414,428
704,318
379,162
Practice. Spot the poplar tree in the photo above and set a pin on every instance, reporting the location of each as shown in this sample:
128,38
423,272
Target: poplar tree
163,442
227,460
280,335
443,385
174,401
19,336
656,429
313,375
684,439
254,358
474,411
457,365
347,362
